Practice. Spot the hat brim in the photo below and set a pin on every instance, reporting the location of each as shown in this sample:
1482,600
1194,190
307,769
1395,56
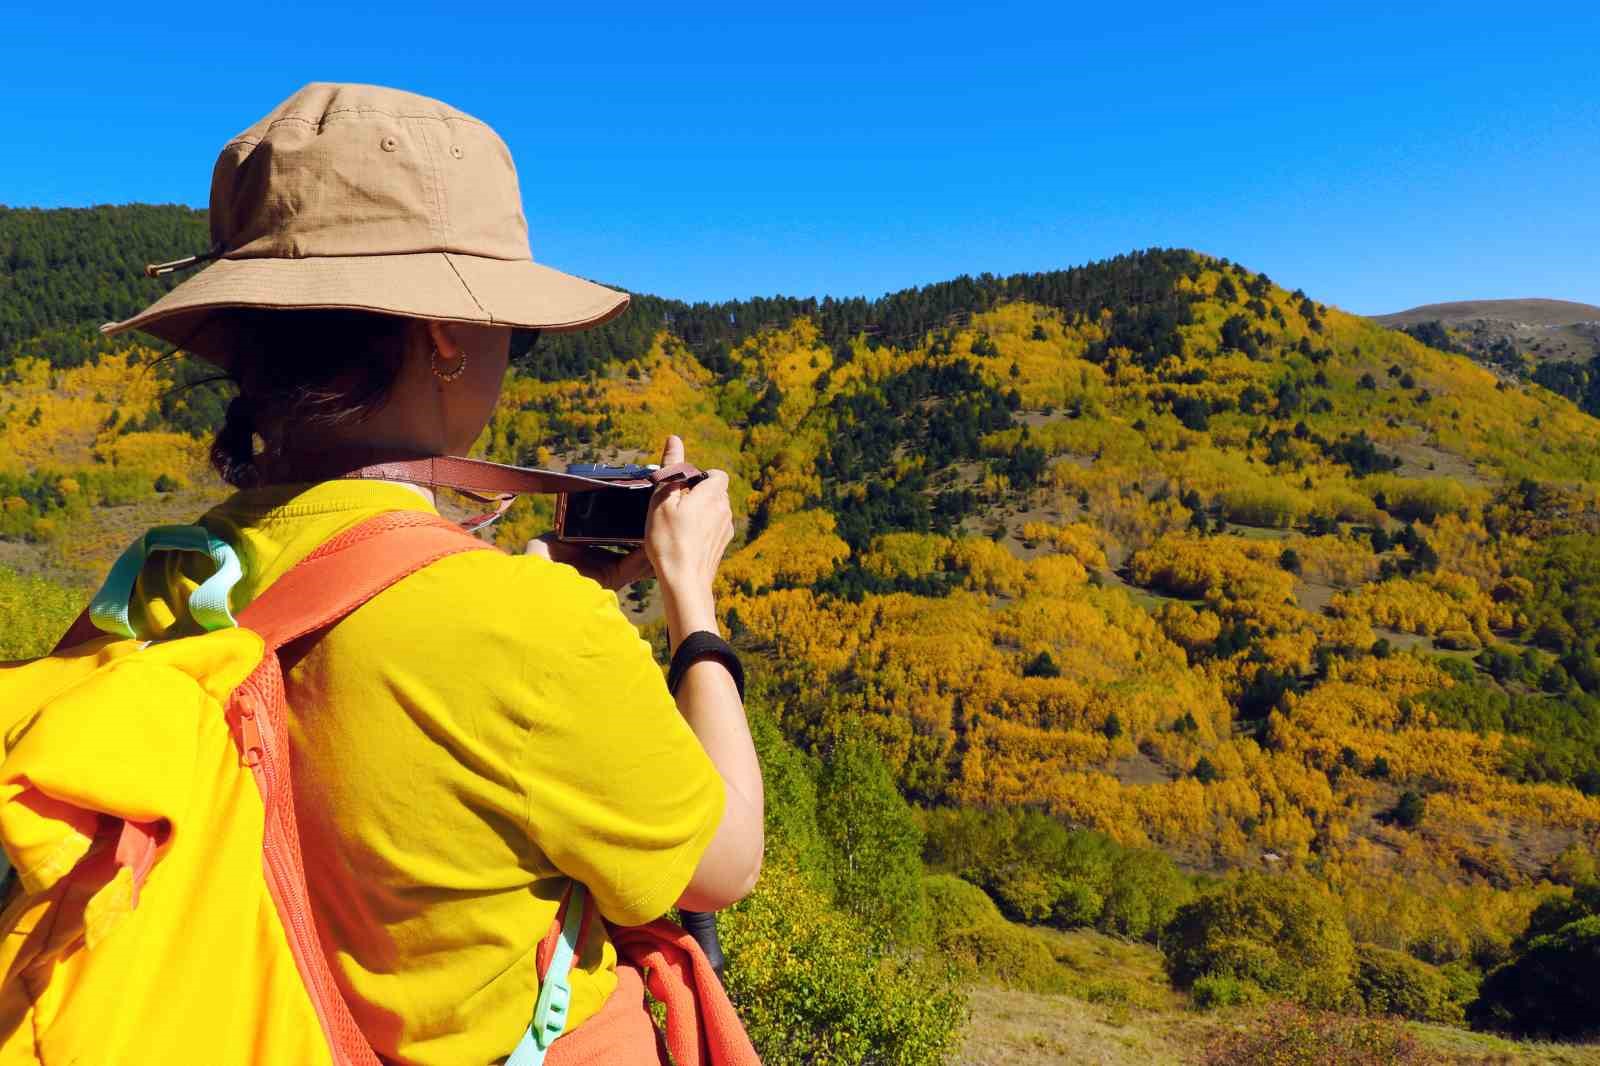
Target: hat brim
443,286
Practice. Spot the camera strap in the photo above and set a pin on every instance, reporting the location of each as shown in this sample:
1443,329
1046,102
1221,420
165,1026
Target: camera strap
493,484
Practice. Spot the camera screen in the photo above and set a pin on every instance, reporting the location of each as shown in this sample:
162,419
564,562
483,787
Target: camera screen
607,514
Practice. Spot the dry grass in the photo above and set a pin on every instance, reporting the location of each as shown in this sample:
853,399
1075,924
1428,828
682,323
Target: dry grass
1011,1028
1458,1046
1021,1027
1122,1012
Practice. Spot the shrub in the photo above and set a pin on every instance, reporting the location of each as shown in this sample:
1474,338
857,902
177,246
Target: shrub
1014,955
813,987
1284,933
964,924
33,614
1463,981
1146,891
1075,905
1211,991
1409,811
1036,869
1392,982
1286,1035
955,906
1458,640
1549,989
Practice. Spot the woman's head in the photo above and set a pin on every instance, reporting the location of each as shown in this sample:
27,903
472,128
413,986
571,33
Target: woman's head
314,381
363,237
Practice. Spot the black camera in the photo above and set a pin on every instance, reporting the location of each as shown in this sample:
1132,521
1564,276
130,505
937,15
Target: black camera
614,515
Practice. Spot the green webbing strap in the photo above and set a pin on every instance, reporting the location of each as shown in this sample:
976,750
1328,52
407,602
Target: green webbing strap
555,991
208,604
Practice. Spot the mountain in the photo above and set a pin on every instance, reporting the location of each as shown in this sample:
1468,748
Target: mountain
1533,312
1126,577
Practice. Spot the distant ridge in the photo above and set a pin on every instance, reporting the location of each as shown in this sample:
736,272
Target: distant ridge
1532,312
1553,342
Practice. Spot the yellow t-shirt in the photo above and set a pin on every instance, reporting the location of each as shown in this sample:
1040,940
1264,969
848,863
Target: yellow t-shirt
461,746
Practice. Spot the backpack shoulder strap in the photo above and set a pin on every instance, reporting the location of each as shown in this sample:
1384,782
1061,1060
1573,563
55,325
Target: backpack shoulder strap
350,569
336,578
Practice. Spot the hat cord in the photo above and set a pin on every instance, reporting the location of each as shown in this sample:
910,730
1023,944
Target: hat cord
155,270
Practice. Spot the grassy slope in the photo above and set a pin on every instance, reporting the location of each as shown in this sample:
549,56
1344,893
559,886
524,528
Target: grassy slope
1013,1028
1124,1014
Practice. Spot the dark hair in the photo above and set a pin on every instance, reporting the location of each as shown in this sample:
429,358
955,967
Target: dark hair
303,367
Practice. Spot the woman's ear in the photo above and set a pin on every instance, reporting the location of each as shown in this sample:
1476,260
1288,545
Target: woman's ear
442,341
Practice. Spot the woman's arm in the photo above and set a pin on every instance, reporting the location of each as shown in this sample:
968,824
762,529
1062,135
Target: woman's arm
710,703
688,530
686,534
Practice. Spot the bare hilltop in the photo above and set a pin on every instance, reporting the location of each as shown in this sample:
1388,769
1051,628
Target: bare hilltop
1531,312
1491,330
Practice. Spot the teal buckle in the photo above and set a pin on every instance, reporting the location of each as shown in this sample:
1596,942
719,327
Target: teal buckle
550,1013
555,991
208,604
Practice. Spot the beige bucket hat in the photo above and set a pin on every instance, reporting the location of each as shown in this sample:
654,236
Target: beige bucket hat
357,196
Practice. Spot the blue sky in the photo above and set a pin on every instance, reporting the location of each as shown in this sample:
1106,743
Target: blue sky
1376,155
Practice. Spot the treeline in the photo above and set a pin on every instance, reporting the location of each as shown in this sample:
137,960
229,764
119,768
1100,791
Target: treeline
64,271
1140,287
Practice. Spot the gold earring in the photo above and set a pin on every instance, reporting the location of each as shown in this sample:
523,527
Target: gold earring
446,376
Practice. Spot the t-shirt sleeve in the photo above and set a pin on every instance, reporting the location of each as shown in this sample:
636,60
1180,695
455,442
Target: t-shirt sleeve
621,796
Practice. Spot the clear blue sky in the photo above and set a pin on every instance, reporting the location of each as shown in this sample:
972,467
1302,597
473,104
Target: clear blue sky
1377,155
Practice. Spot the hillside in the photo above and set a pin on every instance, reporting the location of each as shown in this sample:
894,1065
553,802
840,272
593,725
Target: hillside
1123,580
1553,342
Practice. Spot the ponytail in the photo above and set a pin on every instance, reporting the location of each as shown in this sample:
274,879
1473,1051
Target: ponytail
300,368
233,453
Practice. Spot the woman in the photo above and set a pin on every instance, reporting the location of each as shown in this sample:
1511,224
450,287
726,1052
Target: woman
491,728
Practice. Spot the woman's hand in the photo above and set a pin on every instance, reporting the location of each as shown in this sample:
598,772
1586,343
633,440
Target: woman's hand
688,529
609,569
686,532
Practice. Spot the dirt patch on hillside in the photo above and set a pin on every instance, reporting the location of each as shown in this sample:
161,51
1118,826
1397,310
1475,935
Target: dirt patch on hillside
1421,460
1503,853
1141,769
1314,596
1149,600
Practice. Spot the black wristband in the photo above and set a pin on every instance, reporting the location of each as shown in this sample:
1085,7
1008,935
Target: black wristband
704,644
